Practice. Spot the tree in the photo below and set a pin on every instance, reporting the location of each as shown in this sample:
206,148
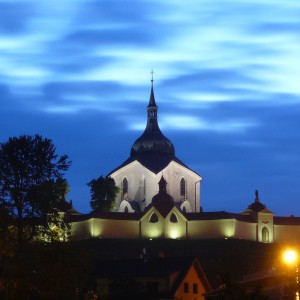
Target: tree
31,181
103,193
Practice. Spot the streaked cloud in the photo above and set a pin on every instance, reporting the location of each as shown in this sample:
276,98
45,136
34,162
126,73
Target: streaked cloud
226,80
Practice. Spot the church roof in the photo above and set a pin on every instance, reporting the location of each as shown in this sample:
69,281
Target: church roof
152,139
256,206
152,149
162,201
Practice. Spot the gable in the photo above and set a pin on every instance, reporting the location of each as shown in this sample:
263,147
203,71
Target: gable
192,284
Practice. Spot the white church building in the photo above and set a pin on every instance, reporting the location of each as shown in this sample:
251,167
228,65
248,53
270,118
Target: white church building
160,198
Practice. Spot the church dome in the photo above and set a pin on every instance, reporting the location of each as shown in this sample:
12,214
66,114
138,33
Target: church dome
152,140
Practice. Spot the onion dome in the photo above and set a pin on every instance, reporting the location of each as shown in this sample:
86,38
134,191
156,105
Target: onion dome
152,140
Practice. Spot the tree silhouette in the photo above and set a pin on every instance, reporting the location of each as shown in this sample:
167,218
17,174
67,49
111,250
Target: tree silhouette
103,193
31,182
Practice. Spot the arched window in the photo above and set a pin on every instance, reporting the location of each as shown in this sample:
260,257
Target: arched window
265,235
173,218
153,218
182,187
125,187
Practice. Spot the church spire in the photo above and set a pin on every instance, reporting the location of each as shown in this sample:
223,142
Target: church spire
152,105
152,140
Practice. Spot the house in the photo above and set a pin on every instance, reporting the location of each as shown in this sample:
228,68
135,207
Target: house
153,278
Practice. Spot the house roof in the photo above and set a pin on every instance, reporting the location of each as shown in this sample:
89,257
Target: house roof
151,267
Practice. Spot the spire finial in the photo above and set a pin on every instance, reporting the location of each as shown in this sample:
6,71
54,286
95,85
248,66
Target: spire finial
256,196
152,77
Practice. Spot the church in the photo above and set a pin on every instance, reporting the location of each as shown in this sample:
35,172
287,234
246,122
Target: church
160,198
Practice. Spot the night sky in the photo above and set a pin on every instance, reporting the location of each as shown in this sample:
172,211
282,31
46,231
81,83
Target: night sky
226,81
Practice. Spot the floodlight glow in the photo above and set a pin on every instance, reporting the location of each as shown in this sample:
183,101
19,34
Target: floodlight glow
290,256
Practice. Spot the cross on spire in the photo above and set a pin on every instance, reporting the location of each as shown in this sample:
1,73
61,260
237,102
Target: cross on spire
152,76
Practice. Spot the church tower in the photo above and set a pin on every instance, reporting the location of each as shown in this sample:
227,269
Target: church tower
152,156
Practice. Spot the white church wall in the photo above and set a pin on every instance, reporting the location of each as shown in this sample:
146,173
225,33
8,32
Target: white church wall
173,174
140,183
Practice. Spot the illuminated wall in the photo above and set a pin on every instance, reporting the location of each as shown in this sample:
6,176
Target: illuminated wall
265,227
152,224
175,225
109,228
211,228
81,230
286,233
245,230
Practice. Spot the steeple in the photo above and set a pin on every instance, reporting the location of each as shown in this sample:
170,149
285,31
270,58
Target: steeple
152,103
152,140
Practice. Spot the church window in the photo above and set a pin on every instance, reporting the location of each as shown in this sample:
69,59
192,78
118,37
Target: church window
173,218
125,187
186,287
265,235
153,218
182,187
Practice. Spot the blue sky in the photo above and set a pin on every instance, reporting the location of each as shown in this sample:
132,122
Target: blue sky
226,82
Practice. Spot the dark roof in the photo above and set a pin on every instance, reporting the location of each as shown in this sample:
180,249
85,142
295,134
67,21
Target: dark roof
218,215
256,206
152,149
151,267
162,201
160,266
286,220
107,215
152,139
153,161
166,205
